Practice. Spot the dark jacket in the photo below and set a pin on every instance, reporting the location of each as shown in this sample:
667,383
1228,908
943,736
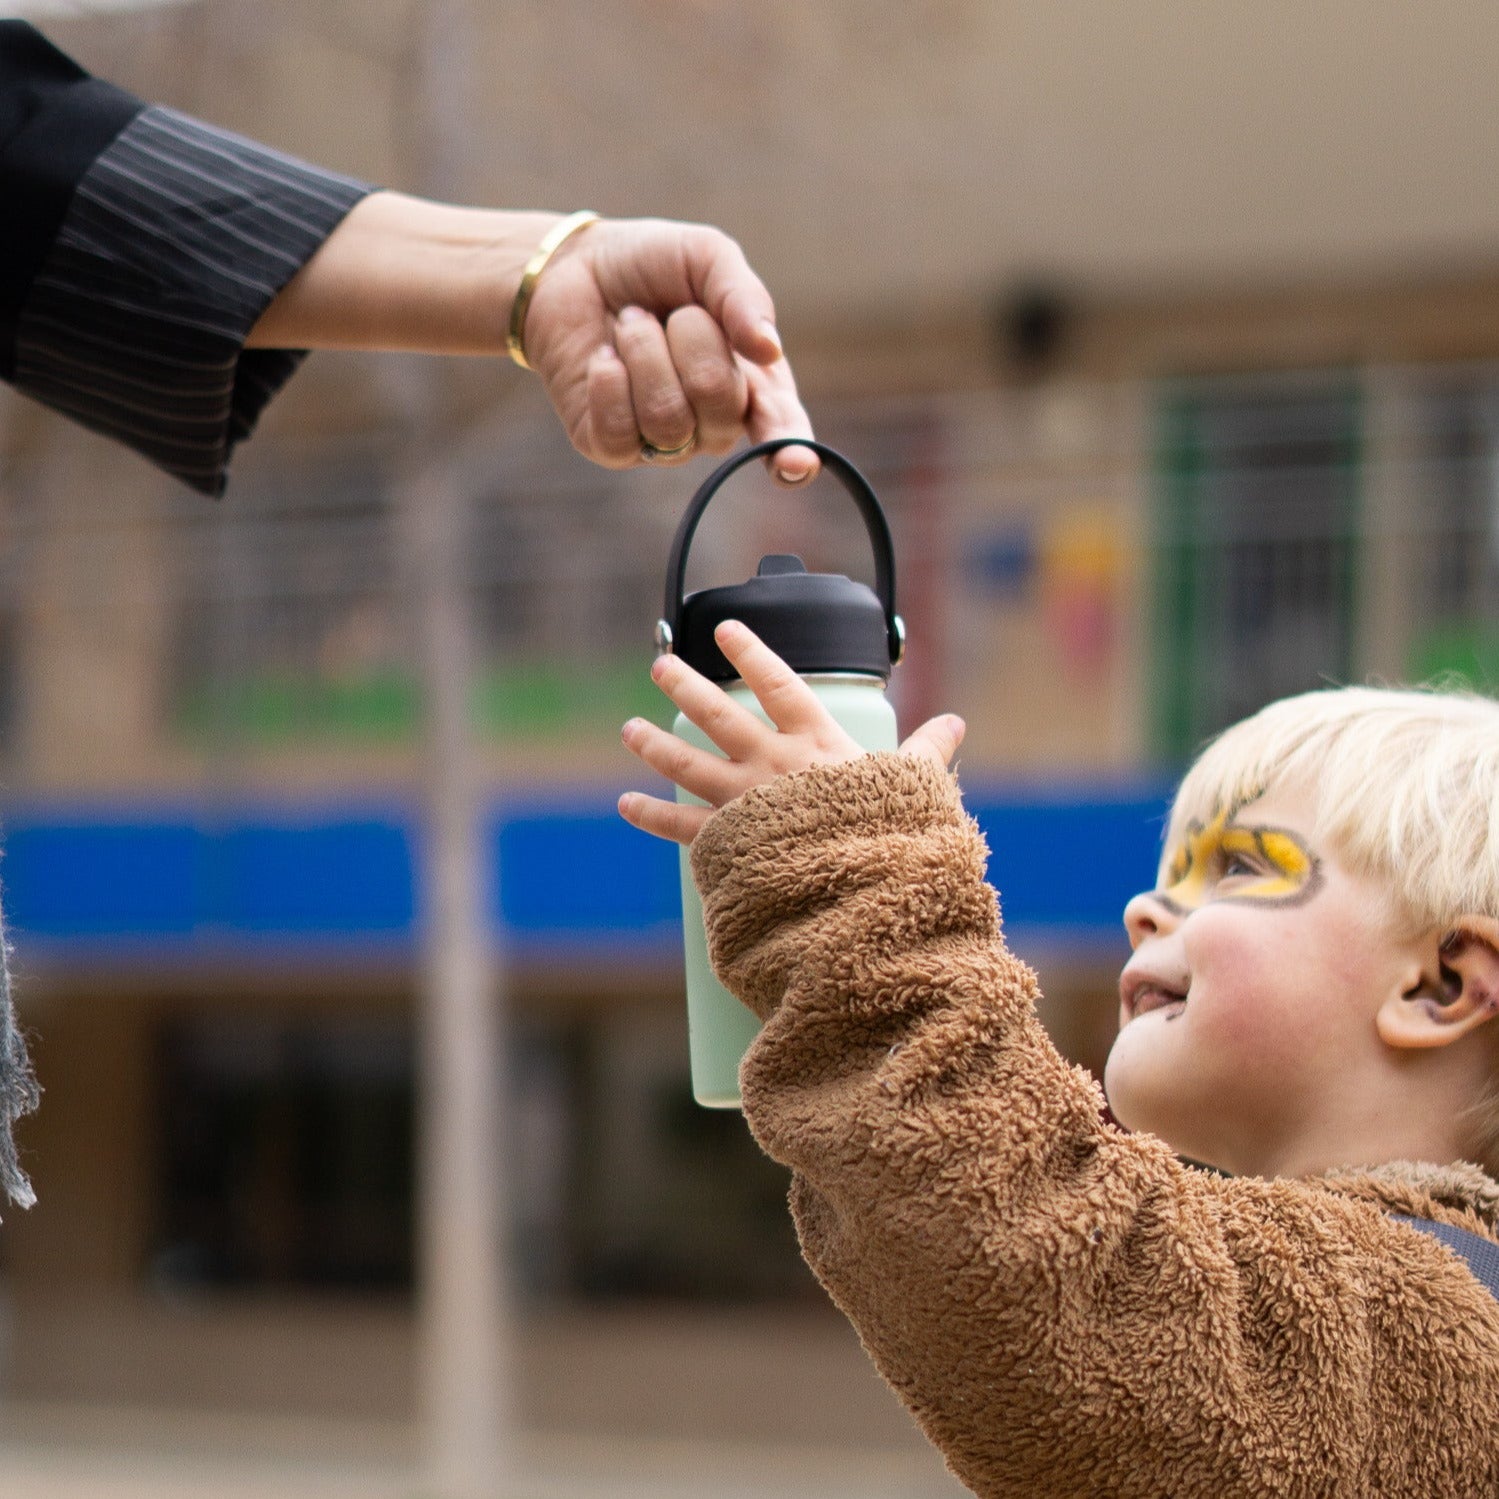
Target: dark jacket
138,249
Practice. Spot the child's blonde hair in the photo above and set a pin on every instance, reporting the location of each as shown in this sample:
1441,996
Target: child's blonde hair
1405,784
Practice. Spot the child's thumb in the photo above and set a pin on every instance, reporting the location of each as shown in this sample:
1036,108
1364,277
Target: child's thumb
937,739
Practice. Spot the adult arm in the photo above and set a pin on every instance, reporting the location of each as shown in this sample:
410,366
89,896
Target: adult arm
150,245
1065,1308
638,328
169,276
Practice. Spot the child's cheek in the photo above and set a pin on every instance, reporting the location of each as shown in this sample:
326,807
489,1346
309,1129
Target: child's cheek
1251,999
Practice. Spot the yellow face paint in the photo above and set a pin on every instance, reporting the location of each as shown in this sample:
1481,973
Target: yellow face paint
1271,866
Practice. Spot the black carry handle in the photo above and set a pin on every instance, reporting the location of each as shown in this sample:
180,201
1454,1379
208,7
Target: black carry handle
852,480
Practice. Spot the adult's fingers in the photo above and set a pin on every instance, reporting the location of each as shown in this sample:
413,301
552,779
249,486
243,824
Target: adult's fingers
791,704
671,820
730,725
707,776
937,739
775,410
610,435
663,414
712,379
724,283
661,267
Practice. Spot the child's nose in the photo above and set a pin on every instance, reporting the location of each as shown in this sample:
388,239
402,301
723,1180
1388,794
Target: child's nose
1147,915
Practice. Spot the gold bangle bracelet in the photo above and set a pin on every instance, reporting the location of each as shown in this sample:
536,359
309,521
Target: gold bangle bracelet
561,230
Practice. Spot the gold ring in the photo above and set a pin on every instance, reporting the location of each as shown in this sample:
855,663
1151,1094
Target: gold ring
650,453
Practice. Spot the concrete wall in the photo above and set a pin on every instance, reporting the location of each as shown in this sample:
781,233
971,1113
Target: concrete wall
886,160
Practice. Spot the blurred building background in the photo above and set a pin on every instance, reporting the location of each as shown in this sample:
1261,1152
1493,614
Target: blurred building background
1169,335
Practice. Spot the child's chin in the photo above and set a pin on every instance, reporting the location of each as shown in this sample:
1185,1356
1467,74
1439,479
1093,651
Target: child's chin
1144,1116
1144,1101
1137,1081
1124,1107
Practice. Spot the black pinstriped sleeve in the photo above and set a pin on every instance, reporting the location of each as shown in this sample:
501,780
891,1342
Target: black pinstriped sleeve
54,120
175,240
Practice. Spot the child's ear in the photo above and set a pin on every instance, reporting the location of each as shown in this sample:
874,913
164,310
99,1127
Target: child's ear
1458,990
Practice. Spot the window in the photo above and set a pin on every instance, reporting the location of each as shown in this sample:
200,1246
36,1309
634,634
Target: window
285,1155
287,622
285,1159
1451,521
1256,550
294,621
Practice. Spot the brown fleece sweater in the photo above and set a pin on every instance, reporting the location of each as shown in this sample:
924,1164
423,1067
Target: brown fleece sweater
1066,1309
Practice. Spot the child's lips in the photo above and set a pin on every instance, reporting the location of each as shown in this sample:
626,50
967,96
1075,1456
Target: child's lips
1142,994
1159,999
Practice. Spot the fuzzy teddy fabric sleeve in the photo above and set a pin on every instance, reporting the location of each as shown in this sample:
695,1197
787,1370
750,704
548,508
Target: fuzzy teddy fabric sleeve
1065,1308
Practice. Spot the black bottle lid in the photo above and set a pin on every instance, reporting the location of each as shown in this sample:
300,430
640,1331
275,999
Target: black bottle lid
816,622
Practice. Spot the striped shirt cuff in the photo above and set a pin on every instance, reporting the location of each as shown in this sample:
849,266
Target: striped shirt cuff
177,239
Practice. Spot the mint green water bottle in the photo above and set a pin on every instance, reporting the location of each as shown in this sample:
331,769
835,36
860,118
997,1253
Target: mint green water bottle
839,636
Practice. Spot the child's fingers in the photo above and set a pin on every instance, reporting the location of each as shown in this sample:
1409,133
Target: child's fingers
670,820
706,775
937,739
730,725
791,704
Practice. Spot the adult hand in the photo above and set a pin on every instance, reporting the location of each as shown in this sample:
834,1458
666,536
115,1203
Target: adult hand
643,331
649,331
801,734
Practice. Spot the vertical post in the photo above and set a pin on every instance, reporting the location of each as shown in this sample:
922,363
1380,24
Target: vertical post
463,1295
464,1332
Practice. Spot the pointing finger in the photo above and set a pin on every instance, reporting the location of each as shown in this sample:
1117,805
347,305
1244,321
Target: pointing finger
775,410
734,294
723,282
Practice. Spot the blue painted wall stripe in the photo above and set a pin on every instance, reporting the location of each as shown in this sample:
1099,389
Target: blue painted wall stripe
573,877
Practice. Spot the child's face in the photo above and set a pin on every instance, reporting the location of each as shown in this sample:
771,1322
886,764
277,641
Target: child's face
1259,964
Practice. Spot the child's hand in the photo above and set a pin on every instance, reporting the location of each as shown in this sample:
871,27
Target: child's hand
805,734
